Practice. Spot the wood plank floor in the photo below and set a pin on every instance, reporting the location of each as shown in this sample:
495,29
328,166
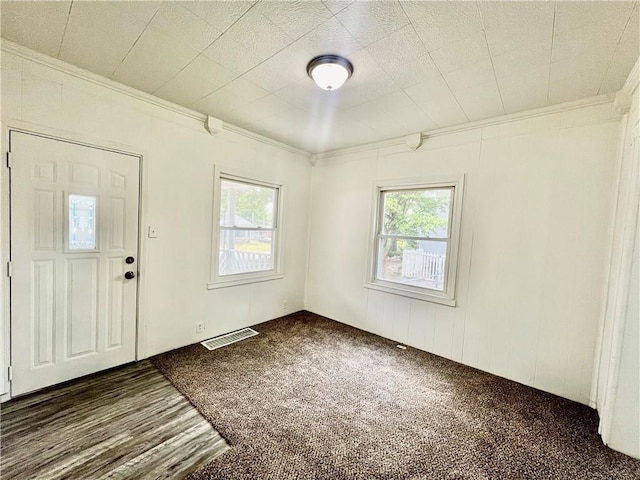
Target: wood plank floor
125,423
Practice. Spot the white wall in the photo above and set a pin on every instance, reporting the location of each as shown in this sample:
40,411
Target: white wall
179,158
624,431
616,379
535,230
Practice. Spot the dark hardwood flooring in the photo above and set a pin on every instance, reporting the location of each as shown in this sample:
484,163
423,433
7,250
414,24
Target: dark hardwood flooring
125,423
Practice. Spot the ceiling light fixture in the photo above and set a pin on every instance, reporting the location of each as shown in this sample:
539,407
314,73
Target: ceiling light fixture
329,71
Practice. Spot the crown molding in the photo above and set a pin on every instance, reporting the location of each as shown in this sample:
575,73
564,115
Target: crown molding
538,112
622,102
266,140
10,47
96,79
391,142
631,84
66,68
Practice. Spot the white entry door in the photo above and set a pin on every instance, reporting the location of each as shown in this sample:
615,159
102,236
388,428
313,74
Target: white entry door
74,257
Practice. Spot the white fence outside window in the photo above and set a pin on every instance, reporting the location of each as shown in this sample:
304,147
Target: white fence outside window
238,261
421,265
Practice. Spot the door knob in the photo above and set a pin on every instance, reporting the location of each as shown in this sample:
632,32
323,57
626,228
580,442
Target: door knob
129,275
130,260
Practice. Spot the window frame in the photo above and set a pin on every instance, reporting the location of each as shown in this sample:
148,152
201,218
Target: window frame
222,281
448,295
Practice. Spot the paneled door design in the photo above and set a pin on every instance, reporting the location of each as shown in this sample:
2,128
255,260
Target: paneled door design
74,257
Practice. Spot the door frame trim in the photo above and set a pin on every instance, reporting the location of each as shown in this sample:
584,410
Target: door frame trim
5,232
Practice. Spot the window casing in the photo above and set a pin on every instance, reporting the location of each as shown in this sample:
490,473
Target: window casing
246,231
415,237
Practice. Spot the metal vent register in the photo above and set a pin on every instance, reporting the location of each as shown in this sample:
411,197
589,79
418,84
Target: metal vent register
228,338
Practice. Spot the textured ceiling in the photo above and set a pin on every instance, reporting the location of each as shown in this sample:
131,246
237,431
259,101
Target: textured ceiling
417,65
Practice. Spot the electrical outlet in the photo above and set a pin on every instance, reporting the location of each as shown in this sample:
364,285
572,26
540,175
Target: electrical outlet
199,327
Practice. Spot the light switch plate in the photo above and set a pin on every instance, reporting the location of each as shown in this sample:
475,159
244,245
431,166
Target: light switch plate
153,232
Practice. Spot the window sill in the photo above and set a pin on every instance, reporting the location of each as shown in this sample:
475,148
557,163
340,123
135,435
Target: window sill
405,292
243,281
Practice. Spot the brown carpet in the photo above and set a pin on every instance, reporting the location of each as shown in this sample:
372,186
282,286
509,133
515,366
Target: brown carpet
310,398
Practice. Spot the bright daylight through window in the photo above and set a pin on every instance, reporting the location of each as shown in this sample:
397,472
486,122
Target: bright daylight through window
416,240
82,222
248,227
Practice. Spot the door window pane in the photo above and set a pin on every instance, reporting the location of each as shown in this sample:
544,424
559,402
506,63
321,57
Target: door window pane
82,222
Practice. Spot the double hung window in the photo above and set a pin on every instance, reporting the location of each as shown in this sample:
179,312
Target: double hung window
247,243
415,245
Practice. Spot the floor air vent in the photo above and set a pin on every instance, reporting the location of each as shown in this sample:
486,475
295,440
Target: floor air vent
228,338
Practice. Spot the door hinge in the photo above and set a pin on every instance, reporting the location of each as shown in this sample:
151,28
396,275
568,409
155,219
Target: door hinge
8,159
9,269
10,372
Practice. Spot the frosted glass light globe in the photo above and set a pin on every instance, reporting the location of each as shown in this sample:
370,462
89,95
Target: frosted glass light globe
329,76
329,71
